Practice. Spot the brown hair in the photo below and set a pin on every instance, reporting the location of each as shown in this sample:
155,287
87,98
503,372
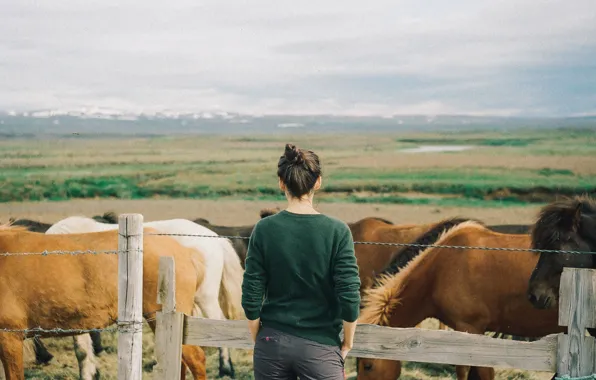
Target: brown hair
299,170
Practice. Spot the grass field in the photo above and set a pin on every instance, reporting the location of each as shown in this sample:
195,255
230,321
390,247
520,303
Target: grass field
502,178
497,171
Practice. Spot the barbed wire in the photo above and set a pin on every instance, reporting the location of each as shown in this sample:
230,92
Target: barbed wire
391,244
403,244
58,252
71,253
121,326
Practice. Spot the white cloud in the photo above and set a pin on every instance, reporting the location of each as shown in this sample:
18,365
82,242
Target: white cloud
286,56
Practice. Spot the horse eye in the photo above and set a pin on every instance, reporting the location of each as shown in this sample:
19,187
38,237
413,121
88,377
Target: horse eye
367,366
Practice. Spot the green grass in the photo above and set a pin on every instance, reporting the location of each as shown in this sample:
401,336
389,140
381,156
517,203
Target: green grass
516,142
146,181
244,167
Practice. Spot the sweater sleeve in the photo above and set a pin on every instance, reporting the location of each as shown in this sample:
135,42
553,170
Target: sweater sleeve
345,276
255,278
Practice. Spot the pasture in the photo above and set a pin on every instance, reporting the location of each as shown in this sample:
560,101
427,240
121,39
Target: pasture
500,169
503,178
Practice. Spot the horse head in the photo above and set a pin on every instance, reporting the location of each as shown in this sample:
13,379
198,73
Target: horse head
268,212
377,369
567,225
109,217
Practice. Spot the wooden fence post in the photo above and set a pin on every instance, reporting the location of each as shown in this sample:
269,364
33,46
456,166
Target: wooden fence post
577,300
130,297
170,324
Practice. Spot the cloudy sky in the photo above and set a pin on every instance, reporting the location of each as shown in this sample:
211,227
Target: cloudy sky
498,57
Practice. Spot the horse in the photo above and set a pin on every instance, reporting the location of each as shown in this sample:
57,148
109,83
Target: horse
373,259
565,225
35,226
243,232
42,355
223,280
511,228
81,291
464,288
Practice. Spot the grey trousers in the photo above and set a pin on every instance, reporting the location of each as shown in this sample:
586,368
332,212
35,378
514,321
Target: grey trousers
280,356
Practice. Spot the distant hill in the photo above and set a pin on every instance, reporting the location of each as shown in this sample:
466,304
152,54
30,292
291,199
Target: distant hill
48,124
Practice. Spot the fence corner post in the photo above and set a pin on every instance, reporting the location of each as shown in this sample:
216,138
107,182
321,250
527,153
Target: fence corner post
130,297
577,302
169,324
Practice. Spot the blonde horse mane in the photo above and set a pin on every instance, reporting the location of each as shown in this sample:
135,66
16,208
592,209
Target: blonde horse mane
380,301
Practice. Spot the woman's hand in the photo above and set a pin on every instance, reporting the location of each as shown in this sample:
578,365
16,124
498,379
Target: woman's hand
345,349
253,327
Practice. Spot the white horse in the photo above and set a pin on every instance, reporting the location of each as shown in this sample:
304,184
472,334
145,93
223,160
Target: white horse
222,283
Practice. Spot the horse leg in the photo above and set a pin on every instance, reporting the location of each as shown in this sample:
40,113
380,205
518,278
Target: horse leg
96,339
207,297
477,373
473,373
83,348
42,355
209,305
11,355
192,356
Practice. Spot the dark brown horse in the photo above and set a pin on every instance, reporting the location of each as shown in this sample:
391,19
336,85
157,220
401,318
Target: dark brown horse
243,232
464,289
511,228
566,225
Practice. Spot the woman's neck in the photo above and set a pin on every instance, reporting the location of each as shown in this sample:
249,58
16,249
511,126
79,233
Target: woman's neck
301,206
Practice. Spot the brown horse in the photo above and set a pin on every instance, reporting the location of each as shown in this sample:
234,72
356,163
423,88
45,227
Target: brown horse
42,355
374,259
81,291
464,288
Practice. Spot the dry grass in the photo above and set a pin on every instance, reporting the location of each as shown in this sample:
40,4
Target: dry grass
64,365
364,151
237,212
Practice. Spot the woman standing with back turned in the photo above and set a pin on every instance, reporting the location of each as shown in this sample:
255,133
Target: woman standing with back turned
301,282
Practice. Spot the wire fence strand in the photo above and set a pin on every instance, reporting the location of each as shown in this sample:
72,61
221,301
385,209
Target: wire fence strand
68,253
121,326
404,244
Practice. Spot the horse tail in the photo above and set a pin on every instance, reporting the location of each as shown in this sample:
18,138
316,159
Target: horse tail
230,294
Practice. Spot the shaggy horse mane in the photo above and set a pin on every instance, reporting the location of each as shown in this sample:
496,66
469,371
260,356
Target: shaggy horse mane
557,219
380,301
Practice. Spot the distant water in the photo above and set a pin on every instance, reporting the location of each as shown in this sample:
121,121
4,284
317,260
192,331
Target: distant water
437,148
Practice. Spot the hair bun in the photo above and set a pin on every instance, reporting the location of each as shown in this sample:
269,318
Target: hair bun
293,154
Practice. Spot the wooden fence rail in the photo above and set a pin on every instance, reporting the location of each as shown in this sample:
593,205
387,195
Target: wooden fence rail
569,354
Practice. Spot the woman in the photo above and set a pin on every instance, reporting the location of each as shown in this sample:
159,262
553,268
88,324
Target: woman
301,282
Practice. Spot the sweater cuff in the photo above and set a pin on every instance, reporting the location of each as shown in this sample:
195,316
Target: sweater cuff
252,314
351,313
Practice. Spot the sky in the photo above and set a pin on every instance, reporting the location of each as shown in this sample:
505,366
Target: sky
376,57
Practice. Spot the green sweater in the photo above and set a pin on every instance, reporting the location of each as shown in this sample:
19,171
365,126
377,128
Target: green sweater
301,276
